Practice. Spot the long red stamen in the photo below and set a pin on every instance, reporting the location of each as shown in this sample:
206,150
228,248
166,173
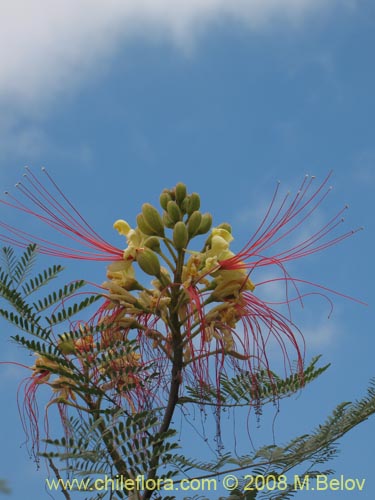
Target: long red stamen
273,229
66,221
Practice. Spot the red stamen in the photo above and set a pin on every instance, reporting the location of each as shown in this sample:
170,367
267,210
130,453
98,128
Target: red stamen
66,221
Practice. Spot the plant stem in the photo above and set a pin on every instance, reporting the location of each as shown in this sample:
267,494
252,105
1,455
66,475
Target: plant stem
58,477
177,366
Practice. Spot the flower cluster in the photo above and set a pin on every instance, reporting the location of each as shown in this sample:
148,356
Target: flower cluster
200,313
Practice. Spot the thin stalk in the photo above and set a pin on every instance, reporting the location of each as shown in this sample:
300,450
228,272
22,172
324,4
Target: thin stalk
58,477
165,258
169,245
177,366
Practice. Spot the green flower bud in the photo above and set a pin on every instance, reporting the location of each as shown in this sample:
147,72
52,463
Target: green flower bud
148,261
205,224
164,198
194,222
153,243
66,345
180,191
180,235
173,211
184,205
167,221
144,227
226,226
194,203
153,219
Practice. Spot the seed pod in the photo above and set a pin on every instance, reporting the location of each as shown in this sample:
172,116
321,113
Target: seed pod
180,235
205,224
144,227
167,221
194,222
153,219
164,198
194,203
148,261
153,243
180,191
173,211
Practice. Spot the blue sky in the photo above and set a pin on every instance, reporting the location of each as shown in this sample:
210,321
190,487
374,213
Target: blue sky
123,98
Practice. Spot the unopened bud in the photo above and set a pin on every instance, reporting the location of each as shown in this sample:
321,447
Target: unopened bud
153,243
167,221
148,261
194,203
184,205
66,345
226,226
205,224
144,227
164,198
173,211
152,218
194,222
180,191
180,235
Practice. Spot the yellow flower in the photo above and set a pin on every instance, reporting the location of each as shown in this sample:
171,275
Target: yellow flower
231,283
122,227
122,273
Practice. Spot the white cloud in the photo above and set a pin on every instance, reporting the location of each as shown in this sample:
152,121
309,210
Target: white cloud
322,334
48,47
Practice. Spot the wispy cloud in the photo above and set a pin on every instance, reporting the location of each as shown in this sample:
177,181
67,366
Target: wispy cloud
321,334
49,47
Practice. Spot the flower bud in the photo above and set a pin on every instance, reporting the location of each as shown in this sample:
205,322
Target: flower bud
153,243
173,211
226,226
164,198
205,224
194,222
180,235
148,261
194,203
66,345
144,227
167,221
152,218
180,191
184,205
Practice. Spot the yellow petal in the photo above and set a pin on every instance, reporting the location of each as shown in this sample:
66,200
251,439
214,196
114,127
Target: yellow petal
122,227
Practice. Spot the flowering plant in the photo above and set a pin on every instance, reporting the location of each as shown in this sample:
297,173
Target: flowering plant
179,323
